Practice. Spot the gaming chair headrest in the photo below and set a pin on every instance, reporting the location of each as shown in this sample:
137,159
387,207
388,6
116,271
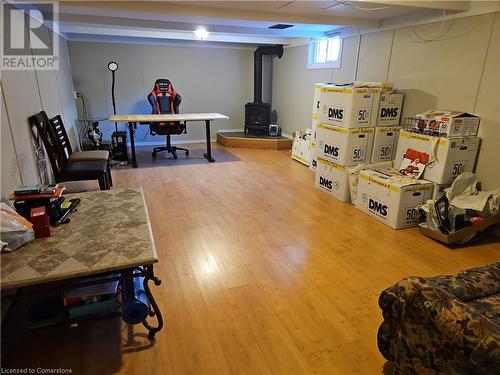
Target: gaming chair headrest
163,98
163,86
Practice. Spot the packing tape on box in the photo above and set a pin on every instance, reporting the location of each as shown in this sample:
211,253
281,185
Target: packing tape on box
331,165
349,90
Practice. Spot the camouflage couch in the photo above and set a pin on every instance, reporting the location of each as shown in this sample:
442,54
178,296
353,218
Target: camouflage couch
443,324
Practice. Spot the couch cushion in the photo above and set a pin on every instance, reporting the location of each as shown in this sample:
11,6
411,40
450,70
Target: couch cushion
488,306
472,284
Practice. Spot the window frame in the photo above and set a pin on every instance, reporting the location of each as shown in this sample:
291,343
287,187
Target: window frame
311,64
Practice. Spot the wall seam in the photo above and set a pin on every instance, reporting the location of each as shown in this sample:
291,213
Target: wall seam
12,136
33,152
59,87
357,55
390,56
484,62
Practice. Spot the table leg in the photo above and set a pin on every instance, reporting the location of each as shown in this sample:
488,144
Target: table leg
154,309
131,130
208,154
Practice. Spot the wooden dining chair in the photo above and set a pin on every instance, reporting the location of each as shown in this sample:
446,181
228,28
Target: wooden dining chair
62,168
65,148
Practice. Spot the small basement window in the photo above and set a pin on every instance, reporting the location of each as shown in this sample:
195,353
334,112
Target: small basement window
325,52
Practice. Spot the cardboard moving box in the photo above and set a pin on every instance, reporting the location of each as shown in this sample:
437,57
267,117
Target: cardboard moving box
448,157
384,143
353,173
349,106
333,179
301,148
345,147
385,87
314,127
390,198
446,123
389,109
316,98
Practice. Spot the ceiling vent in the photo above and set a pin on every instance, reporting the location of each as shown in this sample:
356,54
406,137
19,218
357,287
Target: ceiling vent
280,26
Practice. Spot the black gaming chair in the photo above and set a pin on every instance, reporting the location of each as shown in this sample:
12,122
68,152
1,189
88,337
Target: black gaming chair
164,100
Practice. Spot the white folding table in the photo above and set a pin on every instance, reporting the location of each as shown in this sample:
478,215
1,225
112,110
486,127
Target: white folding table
133,120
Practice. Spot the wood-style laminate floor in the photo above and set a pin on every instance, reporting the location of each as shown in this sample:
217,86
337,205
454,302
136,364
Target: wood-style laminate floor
261,273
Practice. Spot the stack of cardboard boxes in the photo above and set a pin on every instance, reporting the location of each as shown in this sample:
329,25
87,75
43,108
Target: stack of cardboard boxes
435,145
354,119
304,142
361,154
315,122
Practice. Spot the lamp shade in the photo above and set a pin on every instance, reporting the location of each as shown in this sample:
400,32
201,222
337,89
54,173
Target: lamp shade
113,66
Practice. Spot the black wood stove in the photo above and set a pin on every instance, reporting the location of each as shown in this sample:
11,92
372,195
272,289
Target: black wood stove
257,113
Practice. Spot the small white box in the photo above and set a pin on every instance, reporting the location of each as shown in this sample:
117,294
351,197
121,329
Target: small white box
345,147
446,123
301,150
349,106
389,109
390,198
447,157
333,179
316,98
384,143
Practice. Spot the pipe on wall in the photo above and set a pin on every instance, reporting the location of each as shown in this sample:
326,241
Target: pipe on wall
257,73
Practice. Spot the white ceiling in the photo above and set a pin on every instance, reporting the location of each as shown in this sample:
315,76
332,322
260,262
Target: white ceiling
244,22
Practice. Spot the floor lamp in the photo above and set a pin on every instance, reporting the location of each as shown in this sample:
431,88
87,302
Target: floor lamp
113,67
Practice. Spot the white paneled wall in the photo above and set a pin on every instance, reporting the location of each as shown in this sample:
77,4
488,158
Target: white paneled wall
208,79
293,88
25,93
374,56
443,74
459,71
22,99
11,175
65,84
488,106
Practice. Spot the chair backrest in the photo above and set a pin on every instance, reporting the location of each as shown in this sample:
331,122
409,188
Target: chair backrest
42,123
58,129
164,100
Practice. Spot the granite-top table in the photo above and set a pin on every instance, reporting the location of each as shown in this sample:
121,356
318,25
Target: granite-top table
108,233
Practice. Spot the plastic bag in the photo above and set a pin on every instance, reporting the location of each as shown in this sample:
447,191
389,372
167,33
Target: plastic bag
15,229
